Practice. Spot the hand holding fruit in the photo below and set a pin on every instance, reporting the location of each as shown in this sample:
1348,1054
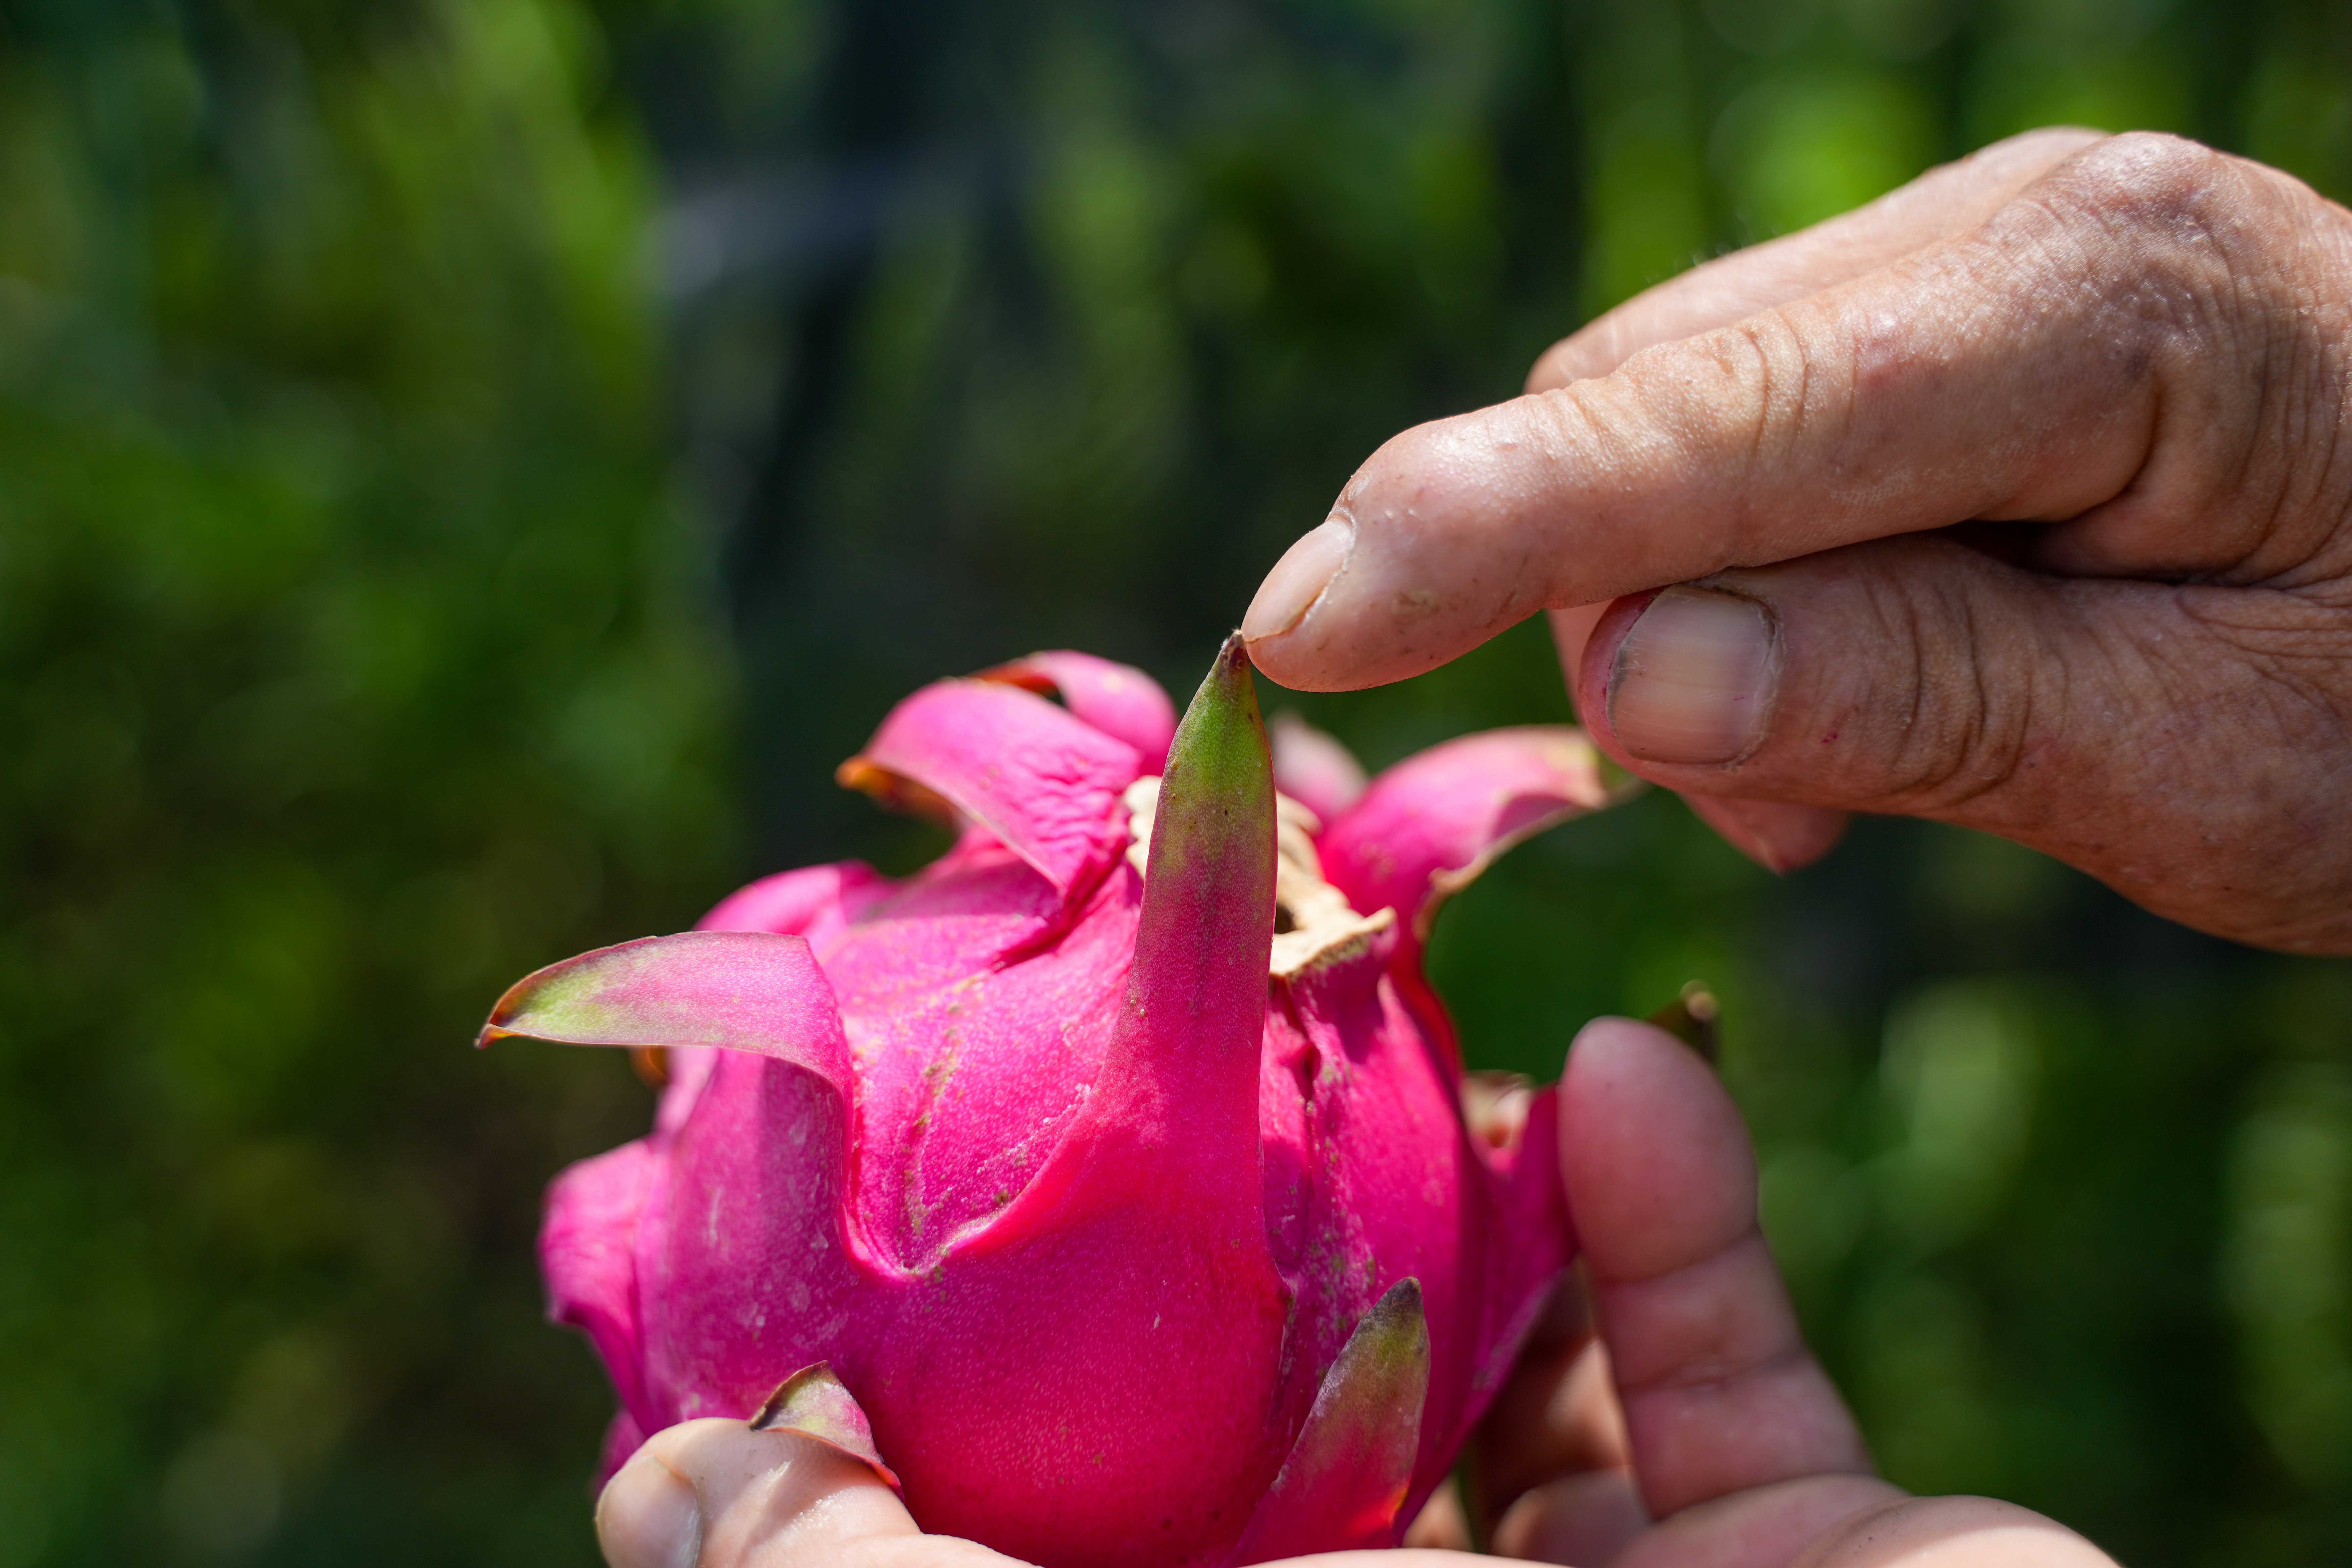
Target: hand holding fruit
1116,1173
1720,1426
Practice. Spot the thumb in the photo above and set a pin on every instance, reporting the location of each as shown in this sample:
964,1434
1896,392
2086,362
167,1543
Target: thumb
2154,735
717,1494
1776,836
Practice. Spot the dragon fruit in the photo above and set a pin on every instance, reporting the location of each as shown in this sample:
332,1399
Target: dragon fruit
1120,1165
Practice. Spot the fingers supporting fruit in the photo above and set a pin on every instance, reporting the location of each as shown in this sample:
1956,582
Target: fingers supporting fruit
1719,1393
716,1494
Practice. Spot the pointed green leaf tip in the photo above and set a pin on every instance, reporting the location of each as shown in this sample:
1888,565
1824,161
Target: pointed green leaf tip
815,1404
1347,1472
1212,828
1196,992
739,991
1219,760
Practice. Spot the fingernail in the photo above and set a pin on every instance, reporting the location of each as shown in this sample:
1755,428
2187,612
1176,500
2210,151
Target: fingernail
648,1518
1299,578
1692,680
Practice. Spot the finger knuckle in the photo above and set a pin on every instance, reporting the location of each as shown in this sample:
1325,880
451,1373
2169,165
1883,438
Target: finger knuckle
2217,277
2177,235
2147,179
2174,265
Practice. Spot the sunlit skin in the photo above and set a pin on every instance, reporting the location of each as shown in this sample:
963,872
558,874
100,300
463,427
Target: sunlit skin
1704,1410
2029,481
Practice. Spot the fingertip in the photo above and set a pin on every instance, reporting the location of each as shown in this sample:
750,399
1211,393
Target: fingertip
715,1493
648,1515
1776,835
1299,579
1656,1160
1449,533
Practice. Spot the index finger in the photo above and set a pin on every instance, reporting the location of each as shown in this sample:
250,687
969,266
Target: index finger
1939,205
2013,372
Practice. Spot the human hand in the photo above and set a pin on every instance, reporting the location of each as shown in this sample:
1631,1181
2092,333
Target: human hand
1705,1411
2017,499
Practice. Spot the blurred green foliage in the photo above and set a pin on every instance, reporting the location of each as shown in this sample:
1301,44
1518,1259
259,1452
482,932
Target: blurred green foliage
352,662
468,467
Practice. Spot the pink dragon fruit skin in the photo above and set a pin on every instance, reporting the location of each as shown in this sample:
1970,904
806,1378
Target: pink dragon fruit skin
1139,1233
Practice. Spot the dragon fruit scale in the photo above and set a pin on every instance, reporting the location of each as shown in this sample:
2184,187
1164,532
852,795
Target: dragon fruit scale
1119,1165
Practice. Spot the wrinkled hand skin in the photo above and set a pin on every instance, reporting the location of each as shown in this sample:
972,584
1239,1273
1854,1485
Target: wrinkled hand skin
1671,1386
2038,469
